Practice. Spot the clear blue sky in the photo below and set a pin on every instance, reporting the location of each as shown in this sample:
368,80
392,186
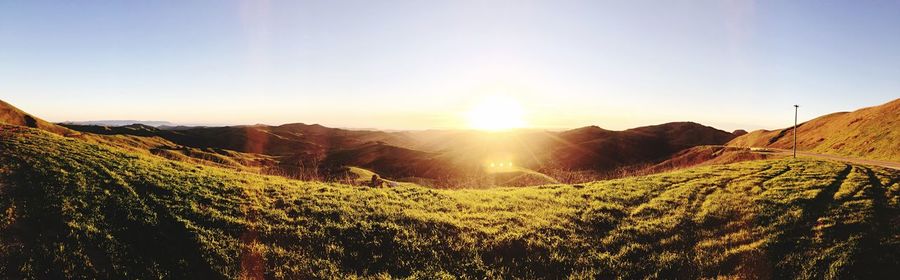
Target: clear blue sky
422,64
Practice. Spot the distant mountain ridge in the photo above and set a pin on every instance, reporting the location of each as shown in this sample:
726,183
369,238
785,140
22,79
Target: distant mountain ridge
120,123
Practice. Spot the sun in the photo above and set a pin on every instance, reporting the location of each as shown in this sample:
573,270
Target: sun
497,113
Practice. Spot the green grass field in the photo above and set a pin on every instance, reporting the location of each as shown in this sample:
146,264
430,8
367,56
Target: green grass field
74,208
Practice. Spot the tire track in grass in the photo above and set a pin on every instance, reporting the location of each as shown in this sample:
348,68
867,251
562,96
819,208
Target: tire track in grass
787,168
680,203
619,232
717,229
690,229
626,237
824,200
837,234
698,228
853,233
882,246
796,236
693,200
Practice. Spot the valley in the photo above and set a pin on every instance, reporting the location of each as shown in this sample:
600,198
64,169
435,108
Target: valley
74,207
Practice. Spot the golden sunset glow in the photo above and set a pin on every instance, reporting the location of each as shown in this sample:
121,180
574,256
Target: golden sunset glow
497,113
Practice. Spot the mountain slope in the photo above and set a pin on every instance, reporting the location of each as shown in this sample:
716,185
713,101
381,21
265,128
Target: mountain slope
387,159
872,132
706,155
600,149
139,138
11,115
76,208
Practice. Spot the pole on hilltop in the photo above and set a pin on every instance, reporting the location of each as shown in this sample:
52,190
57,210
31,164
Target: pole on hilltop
795,129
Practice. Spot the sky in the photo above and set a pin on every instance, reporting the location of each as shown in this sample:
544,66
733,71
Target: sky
425,64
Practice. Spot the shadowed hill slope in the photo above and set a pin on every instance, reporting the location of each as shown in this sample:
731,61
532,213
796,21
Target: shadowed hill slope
388,159
76,208
600,149
872,132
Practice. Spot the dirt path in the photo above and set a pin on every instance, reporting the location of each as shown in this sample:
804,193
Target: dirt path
784,152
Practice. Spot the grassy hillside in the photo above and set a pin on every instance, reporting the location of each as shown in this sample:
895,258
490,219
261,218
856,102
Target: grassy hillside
9,114
867,133
141,138
74,208
707,155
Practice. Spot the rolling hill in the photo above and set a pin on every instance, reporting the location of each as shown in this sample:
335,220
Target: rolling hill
595,148
707,155
11,115
296,150
72,207
872,133
441,158
143,139
456,158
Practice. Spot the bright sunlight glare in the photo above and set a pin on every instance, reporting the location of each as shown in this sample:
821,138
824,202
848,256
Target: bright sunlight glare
497,113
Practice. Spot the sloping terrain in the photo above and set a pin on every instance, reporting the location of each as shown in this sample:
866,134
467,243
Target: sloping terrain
599,149
872,132
11,115
435,155
77,208
707,155
387,159
141,138
290,150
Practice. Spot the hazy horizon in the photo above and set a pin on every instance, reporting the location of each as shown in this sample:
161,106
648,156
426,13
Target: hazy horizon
412,65
169,123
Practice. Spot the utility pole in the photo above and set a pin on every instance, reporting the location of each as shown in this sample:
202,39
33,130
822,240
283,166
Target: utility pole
795,129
